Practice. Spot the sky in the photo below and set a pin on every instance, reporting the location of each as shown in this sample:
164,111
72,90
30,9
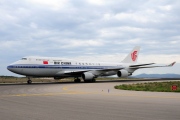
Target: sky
93,30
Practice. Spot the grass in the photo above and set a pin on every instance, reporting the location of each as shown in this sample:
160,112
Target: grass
155,86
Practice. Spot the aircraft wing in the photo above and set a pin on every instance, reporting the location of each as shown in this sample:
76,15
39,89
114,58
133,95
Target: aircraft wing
111,69
144,66
101,71
75,72
141,65
98,71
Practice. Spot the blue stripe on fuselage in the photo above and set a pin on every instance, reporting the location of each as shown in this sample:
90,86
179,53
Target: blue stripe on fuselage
58,66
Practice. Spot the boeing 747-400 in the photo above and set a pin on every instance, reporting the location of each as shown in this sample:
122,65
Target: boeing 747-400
61,68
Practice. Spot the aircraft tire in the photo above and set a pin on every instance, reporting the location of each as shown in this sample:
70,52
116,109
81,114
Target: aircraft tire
77,80
90,81
93,80
86,81
29,81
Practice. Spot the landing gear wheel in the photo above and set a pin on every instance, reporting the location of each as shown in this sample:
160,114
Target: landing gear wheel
29,82
86,81
77,80
90,81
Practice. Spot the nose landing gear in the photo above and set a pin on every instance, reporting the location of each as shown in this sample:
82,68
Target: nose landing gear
29,81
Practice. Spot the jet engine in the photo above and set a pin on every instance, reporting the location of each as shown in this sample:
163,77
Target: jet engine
122,73
87,76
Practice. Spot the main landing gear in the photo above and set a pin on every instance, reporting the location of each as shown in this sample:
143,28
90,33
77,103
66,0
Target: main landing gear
29,81
77,80
90,81
93,80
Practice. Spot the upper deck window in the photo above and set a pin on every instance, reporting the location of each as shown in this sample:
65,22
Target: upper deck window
24,58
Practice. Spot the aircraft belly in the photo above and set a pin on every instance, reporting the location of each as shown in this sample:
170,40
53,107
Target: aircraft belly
39,72
69,73
109,73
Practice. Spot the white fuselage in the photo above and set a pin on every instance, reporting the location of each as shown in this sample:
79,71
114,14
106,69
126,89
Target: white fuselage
57,67
62,68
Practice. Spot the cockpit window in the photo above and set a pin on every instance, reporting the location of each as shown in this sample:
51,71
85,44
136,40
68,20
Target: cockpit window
24,58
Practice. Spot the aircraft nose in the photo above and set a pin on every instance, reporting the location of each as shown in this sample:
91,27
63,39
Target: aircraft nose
10,67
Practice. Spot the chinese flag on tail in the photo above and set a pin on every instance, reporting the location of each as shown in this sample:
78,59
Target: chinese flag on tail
45,62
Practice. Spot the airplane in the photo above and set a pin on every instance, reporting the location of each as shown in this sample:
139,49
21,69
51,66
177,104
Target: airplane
62,68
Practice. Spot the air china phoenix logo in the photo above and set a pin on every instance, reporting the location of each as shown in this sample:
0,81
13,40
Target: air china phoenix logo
134,55
45,62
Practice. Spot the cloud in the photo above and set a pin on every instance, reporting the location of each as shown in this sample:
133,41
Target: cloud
97,2
81,43
166,7
105,30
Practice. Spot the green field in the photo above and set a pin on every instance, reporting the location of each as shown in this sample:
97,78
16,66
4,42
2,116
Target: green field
155,86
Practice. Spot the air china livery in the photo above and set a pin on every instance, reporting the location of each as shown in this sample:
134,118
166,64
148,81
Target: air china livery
88,71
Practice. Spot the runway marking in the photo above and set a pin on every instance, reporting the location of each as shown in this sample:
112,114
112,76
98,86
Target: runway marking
45,94
96,93
66,88
67,91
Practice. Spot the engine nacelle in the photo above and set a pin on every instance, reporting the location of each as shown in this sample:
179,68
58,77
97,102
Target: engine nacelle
87,76
122,73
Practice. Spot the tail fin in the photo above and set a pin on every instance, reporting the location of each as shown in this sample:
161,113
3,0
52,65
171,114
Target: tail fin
132,56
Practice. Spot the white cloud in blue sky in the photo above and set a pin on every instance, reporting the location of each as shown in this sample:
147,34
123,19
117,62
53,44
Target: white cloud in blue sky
93,29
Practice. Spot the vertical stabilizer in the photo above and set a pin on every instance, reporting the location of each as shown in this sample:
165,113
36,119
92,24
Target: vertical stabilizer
132,56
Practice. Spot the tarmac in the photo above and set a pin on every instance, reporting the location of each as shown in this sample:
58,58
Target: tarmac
85,101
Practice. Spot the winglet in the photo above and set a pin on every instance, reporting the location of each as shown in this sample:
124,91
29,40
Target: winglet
172,64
